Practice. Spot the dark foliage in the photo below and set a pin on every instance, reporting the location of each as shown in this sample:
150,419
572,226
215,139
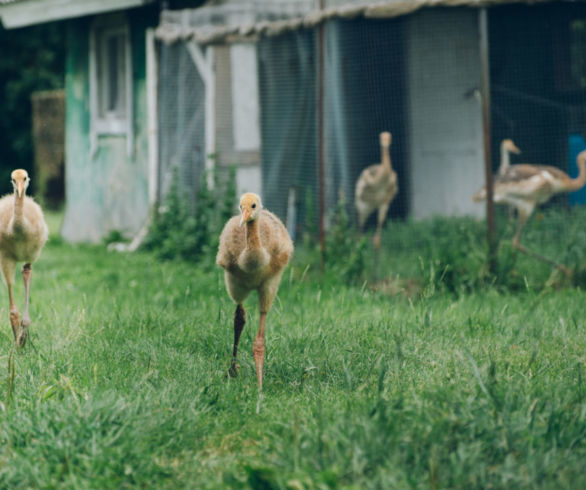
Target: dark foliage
32,59
182,231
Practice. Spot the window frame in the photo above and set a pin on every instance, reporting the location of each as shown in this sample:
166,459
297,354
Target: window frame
103,120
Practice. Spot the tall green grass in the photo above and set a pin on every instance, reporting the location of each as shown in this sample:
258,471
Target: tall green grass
123,386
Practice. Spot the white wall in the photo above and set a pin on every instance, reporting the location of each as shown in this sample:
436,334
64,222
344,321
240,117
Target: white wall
445,129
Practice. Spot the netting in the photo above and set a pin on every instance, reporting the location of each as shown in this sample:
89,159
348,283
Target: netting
299,105
181,112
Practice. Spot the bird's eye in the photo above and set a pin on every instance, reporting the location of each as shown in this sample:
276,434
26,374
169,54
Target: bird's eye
254,206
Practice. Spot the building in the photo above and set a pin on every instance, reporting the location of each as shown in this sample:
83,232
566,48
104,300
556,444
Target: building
295,97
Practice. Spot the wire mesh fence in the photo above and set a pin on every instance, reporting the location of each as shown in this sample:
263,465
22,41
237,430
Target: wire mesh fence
298,106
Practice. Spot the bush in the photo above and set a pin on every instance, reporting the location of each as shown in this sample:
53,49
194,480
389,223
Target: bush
345,254
189,232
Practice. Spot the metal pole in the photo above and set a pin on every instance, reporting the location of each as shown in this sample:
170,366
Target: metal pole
486,127
320,139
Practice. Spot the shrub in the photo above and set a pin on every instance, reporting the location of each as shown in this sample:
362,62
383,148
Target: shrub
181,230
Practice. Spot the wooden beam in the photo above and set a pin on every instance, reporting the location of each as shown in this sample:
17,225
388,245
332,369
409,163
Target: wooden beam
31,12
152,126
204,63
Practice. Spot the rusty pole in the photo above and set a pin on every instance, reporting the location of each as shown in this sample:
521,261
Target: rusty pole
486,127
320,139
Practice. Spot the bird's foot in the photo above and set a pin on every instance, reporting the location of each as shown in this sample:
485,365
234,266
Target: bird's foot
22,336
259,357
376,240
15,323
233,370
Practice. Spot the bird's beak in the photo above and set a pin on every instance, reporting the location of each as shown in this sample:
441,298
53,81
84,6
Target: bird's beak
245,217
19,188
516,150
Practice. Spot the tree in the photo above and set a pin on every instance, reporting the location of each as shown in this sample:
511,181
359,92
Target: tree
31,59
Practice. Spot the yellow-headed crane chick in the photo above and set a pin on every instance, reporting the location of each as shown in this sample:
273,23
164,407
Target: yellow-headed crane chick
254,249
23,233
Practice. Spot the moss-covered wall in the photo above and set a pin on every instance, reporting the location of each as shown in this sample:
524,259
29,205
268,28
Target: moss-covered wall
108,190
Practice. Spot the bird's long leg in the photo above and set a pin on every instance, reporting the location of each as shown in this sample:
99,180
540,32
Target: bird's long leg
8,273
14,314
517,244
27,272
382,214
239,321
258,349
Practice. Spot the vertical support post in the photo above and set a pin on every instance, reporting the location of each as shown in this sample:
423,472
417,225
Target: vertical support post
486,127
210,105
204,62
320,138
152,135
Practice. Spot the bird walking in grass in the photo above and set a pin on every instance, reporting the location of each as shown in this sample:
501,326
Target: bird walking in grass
525,186
376,188
254,250
23,233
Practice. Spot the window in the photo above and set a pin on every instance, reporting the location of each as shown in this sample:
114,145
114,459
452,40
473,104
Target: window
245,98
110,79
570,54
578,52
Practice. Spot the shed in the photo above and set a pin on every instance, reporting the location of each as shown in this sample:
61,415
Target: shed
412,67
107,111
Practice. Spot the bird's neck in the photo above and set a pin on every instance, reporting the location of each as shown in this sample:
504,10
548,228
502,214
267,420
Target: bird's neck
18,208
385,157
505,159
579,181
252,235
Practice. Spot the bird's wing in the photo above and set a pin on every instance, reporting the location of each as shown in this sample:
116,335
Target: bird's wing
525,180
275,239
232,242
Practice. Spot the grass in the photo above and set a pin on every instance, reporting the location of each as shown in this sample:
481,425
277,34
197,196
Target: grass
123,383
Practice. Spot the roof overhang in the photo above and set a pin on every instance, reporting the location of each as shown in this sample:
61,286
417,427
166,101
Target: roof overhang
30,12
248,20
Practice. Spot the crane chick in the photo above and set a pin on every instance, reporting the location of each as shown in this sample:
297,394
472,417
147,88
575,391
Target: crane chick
376,188
23,233
525,186
254,250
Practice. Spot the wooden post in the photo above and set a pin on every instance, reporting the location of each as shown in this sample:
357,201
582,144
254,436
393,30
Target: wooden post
320,138
486,127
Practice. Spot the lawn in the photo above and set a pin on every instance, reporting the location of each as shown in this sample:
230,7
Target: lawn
122,383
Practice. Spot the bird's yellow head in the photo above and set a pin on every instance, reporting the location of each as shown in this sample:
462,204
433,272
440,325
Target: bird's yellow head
385,138
20,181
510,146
250,207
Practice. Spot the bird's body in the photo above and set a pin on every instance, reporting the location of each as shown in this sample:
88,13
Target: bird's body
23,233
22,241
525,186
254,249
376,188
249,268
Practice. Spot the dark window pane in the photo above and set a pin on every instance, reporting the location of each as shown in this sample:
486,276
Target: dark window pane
112,60
578,52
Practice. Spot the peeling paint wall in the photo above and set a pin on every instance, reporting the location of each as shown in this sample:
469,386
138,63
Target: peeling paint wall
109,190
